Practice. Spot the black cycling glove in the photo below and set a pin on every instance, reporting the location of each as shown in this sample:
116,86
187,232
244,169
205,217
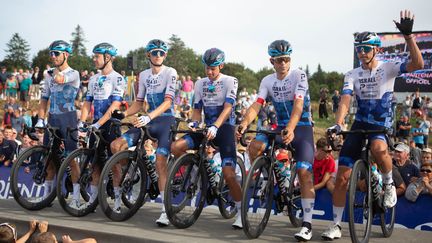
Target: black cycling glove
405,26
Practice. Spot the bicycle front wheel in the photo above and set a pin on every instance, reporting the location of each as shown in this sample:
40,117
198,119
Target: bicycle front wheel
226,203
122,186
257,197
295,209
76,167
387,221
185,191
29,183
360,202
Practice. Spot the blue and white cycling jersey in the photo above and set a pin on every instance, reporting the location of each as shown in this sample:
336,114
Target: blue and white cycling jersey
212,95
284,92
104,90
156,87
61,96
374,91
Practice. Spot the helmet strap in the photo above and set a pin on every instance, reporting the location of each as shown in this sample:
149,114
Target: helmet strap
156,65
105,63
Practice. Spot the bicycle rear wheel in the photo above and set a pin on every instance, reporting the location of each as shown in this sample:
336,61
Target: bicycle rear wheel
81,159
360,202
227,205
257,198
387,221
132,186
295,209
185,191
28,179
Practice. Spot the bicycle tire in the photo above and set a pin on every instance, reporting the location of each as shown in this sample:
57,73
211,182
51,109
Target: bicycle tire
359,230
84,157
295,209
387,223
19,177
228,209
252,192
185,191
127,186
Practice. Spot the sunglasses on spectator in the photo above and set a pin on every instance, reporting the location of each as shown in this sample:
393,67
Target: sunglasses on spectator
12,227
426,171
158,53
279,60
364,48
55,53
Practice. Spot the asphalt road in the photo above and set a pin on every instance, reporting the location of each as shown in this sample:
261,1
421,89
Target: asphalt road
210,227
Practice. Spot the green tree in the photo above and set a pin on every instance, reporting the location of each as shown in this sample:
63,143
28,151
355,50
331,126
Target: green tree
78,41
17,52
307,71
141,58
80,63
41,59
263,72
120,63
246,77
183,58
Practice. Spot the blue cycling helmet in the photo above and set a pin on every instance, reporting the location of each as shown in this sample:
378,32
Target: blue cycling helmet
156,44
367,38
105,48
213,57
61,45
279,48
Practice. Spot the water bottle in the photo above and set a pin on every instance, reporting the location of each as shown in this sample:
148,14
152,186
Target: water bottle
377,182
285,173
216,168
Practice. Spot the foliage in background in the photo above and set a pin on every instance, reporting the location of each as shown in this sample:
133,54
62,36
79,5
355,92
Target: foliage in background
180,56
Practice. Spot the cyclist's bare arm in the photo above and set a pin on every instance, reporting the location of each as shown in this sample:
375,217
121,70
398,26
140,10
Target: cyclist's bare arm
134,108
42,108
224,114
85,111
166,104
343,109
251,113
196,115
115,105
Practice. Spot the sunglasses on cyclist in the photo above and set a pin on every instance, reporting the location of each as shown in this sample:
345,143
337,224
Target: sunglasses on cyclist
426,171
55,53
12,227
364,48
158,53
279,60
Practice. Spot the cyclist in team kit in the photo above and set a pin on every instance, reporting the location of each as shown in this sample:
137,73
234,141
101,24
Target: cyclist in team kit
60,88
157,86
288,90
216,96
372,83
105,92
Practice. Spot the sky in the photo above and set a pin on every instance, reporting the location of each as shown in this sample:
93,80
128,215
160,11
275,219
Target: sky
320,32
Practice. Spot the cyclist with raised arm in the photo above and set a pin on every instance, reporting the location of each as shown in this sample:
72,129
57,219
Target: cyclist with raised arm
157,86
216,96
60,88
105,92
372,83
288,90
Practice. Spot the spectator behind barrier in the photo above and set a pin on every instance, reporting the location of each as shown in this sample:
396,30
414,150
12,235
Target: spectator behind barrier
401,160
323,166
422,185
